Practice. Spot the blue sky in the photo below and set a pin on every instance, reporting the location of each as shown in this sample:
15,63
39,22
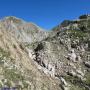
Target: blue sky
45,13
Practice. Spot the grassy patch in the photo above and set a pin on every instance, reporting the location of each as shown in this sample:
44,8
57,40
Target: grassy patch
73,87
87,81
77,33
4,53
12,75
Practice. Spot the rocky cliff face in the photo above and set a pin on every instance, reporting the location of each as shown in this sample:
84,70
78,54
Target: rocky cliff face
32,59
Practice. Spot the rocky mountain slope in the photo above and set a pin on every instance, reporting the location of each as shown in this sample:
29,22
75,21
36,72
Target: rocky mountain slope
33,59
23,31
17,70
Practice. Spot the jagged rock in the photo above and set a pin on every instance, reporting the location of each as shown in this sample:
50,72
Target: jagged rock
79,58
72,56
51,69
31,54
64,88
80,72
71,73
82,50
74,44
87,64
63,81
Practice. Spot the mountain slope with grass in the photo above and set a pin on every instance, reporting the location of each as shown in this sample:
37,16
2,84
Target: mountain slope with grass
17,69
65,53
33,59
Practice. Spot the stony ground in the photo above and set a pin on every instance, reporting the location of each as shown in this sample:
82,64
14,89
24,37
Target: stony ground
32,59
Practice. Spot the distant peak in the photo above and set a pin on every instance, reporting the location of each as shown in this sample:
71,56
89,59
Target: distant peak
13,19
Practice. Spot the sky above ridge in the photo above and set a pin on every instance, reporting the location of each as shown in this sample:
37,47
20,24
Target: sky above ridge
45,13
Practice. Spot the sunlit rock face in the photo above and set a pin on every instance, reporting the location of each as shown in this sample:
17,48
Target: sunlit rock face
23,31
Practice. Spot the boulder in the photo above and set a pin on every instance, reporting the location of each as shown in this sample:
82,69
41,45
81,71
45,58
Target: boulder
79,58
71,73
72,56
63,81
87,64
64,88
72,65
80,72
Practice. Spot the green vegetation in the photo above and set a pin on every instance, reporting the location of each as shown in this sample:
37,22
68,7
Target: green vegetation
83,17
32,45
4,53
15,77
0,85
88,24
8,83
76,83
77,33
12,74
66,23
87,81
72,79
3,56
25,84
73,87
